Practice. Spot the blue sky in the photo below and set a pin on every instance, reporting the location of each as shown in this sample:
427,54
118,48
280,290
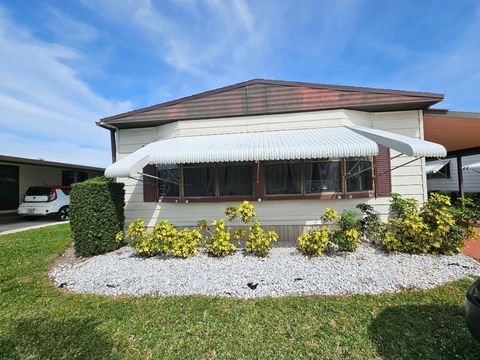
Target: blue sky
65,64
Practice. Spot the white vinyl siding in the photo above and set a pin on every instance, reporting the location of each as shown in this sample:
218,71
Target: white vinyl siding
471,179
287,216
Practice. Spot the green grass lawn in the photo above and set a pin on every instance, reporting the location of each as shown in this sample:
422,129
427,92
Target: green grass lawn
38,321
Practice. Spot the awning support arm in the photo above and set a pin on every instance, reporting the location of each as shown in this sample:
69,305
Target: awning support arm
370,167
158,178
398,166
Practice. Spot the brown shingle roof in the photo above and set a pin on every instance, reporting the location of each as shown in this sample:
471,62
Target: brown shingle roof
259,96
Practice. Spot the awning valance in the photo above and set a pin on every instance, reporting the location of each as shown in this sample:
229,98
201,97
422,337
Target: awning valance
432,167
260,146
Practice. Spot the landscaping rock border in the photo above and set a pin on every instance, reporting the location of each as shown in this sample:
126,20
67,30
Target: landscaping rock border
283,272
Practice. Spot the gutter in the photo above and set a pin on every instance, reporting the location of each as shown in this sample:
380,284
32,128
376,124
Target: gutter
113,138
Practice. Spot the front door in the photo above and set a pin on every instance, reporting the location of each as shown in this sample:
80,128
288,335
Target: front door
8,187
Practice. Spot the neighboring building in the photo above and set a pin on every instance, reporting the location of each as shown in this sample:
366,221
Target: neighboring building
444,176
292,148
18,174
459,132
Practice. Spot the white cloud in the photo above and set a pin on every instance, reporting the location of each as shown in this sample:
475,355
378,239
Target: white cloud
68,29
45,104
222,35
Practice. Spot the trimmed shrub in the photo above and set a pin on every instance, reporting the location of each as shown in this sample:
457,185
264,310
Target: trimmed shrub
96,215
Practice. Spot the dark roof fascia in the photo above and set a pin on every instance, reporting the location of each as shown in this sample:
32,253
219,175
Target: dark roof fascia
37,162
434,96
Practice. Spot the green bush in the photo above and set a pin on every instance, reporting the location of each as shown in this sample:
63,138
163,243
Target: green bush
314,242
370,224
346,234
96,215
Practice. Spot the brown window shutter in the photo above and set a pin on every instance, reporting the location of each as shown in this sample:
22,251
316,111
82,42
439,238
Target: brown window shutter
150,184
383,181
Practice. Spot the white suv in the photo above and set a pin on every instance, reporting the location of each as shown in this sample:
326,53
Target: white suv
46,200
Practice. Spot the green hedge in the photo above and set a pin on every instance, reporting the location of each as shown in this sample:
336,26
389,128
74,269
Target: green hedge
96,215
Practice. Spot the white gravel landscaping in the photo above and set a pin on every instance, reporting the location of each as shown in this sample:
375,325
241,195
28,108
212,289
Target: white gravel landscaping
284,272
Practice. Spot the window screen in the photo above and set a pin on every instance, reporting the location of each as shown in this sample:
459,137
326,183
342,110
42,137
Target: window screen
323,176
359,174
199,180
168,180
235,179
282,178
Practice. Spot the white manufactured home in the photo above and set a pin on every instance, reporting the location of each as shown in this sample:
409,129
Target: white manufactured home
291,148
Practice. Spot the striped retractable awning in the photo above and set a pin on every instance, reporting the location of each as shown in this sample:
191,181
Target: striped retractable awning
265,145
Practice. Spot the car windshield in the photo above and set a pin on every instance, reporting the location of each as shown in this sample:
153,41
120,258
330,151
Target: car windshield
38,191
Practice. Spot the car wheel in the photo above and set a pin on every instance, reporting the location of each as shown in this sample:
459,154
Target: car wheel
63,214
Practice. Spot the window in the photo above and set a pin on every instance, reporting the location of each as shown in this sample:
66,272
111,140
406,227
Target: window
329,177
282,178
359,174
323,176
443,173
81,176
167,184
235,179
199,180
68,177
72,176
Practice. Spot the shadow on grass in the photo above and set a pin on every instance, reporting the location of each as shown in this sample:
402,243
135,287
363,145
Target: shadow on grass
43,338
423,332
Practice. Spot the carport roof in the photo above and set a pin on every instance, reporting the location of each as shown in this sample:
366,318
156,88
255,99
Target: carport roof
455,130
41,162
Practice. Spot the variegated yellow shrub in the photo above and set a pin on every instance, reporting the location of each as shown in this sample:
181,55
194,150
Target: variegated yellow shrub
313,242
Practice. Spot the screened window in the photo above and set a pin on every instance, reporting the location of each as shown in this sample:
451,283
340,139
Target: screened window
235,179
282,178
359,174
199,180
323,176
168,180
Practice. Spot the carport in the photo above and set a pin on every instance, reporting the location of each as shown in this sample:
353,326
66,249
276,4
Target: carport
459,132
